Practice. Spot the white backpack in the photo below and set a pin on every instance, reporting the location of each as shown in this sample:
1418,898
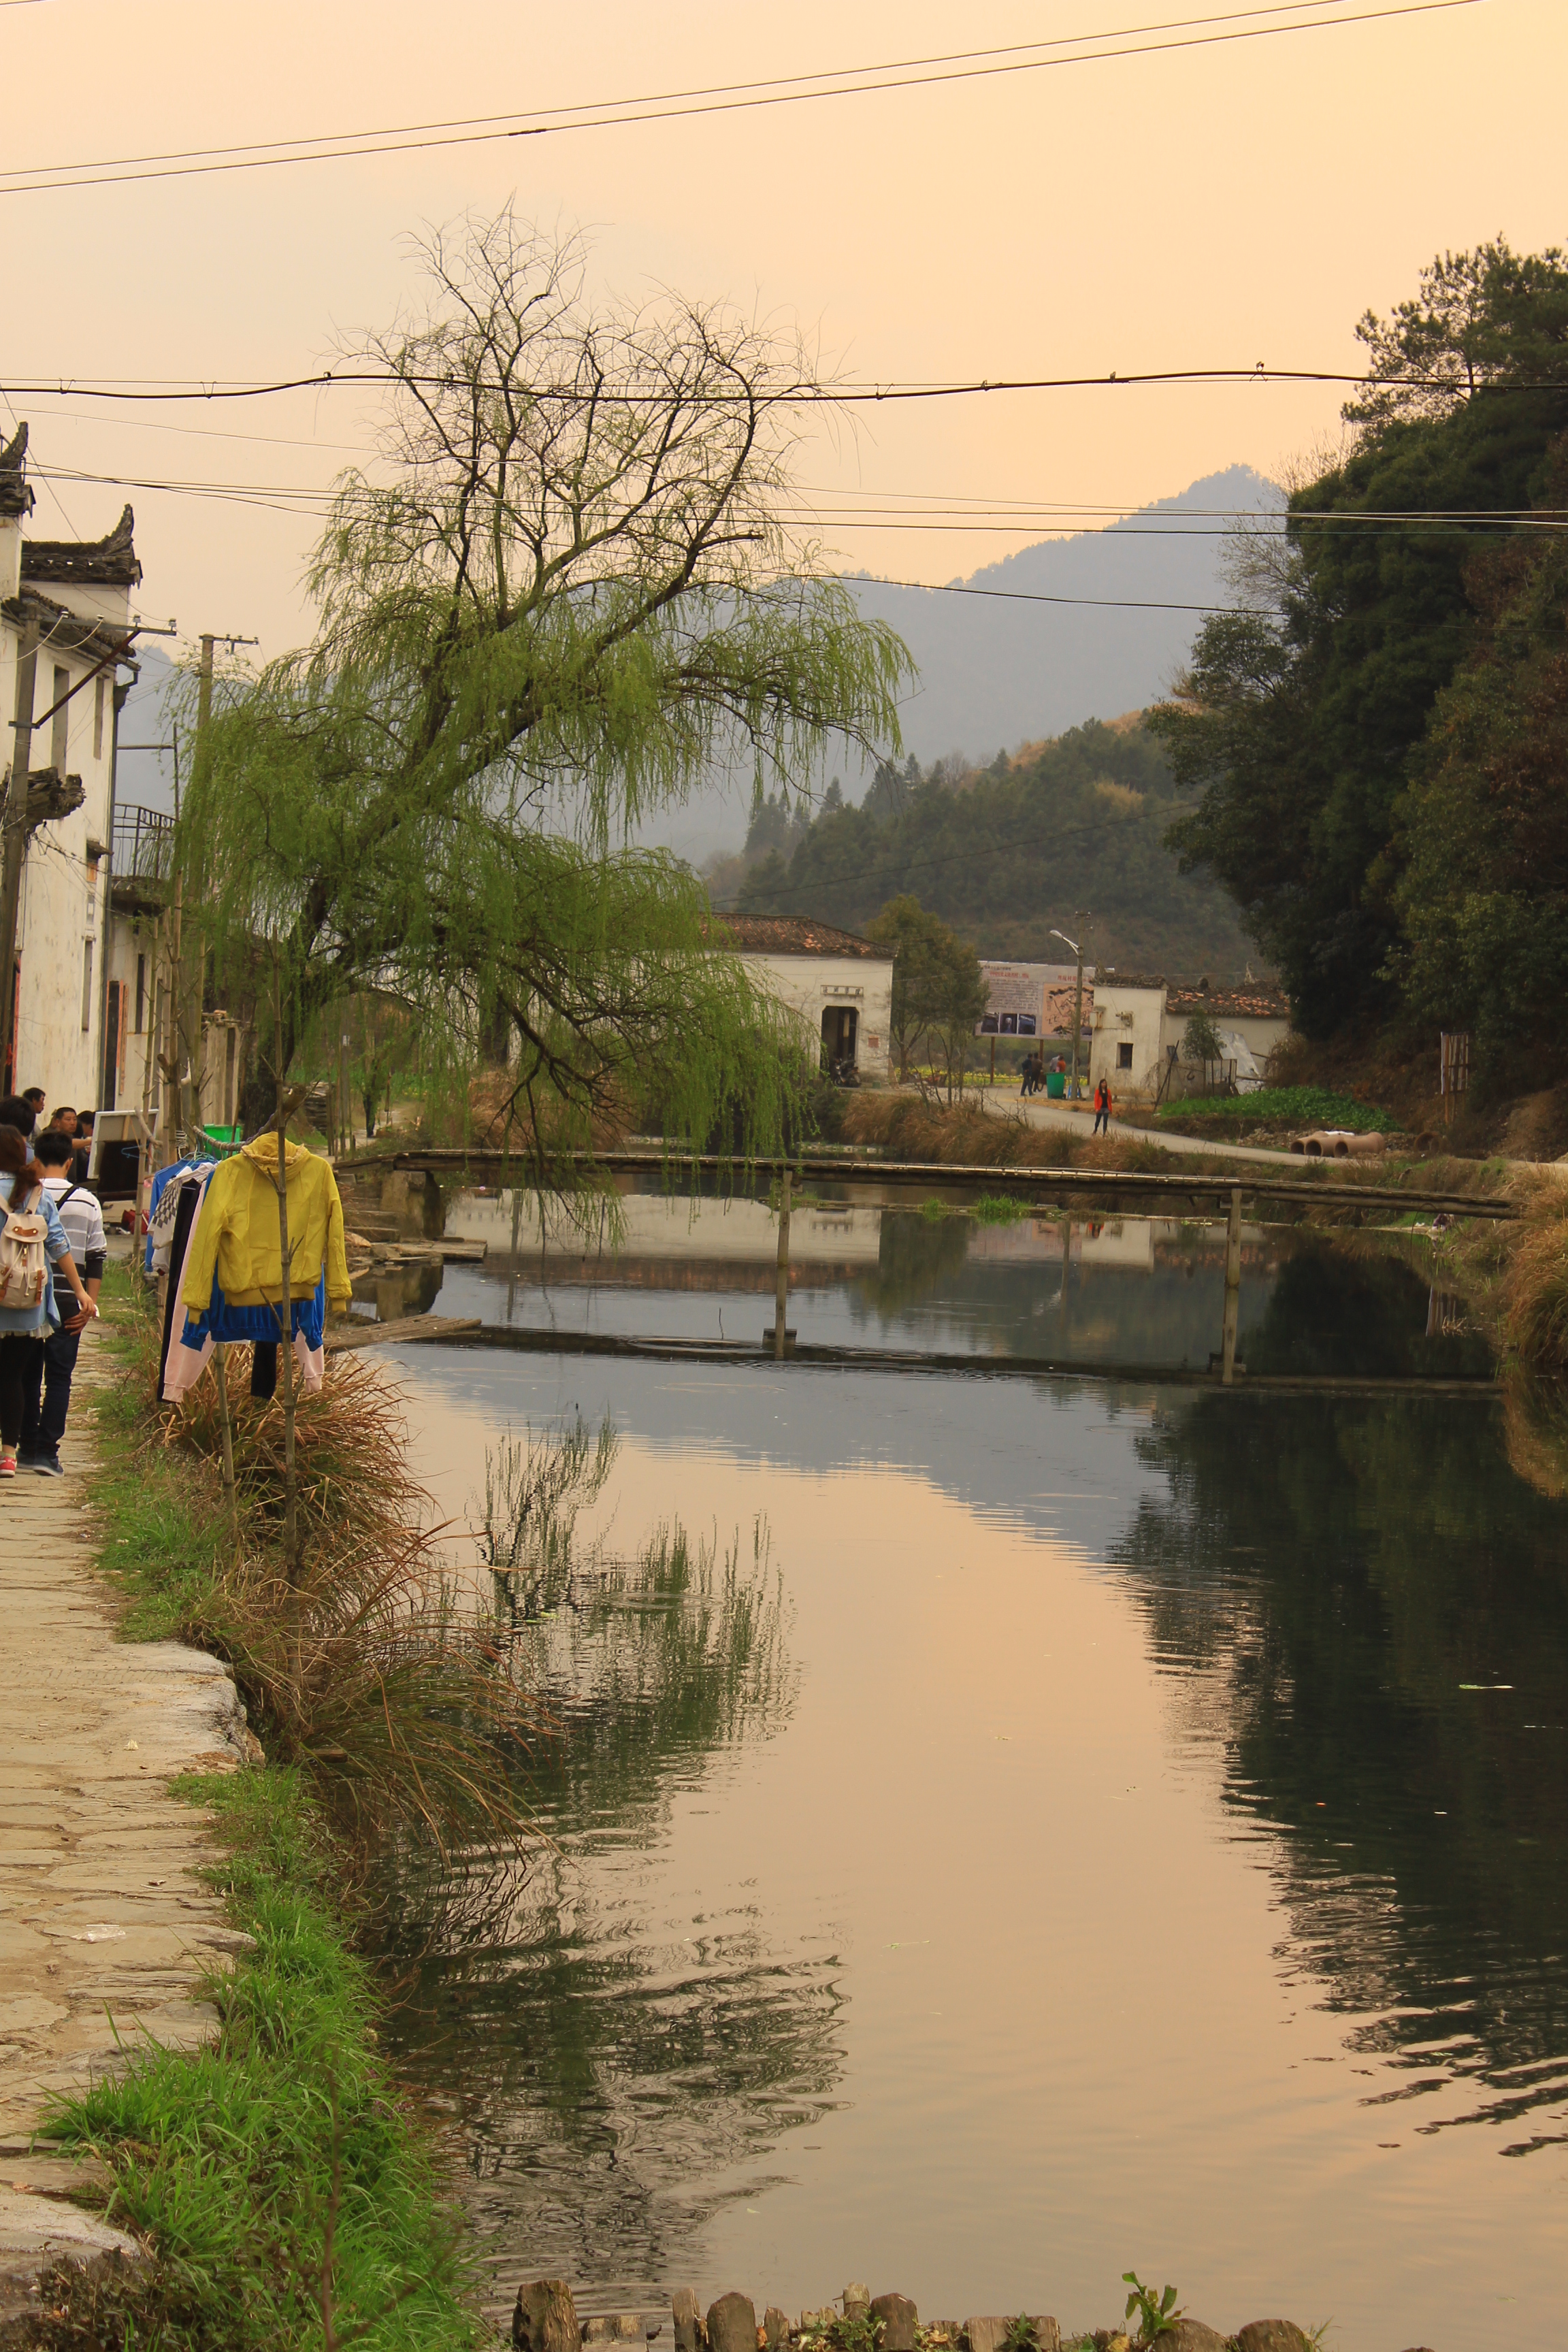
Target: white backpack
24,1261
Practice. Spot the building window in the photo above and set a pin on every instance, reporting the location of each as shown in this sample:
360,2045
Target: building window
141,994
1124,1057
98,719
86,985
61,725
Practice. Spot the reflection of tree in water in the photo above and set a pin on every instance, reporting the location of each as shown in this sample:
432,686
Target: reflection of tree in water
1359,1309
610,2062
1343,1571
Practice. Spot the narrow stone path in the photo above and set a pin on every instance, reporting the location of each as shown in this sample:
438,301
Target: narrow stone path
106,1928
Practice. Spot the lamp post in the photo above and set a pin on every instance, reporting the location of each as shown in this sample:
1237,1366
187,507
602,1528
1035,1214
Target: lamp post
1077,1006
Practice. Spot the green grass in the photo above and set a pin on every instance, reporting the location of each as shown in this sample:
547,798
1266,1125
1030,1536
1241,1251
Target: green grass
286,2196
275,2174
1000,1209
163,1537
1305,1106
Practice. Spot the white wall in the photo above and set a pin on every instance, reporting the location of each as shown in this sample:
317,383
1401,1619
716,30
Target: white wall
63,914
1127,1016
808,984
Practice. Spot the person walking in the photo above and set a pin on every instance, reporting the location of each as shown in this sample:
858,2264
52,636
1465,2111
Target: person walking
1103,1107
47,1396
33,1251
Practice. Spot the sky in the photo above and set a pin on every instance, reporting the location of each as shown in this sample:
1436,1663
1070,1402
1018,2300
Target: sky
1201,207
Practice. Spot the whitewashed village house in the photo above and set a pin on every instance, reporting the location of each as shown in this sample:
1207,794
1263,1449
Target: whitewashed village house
839,985
71,1021
1138,1025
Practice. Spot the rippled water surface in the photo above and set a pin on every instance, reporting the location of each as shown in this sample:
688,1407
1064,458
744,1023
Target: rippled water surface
1049,1827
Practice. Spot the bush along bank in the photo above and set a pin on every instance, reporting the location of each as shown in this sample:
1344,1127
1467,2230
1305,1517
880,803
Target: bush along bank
545,2320
283,2191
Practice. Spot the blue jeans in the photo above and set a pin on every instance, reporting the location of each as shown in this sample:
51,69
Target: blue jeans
48,1372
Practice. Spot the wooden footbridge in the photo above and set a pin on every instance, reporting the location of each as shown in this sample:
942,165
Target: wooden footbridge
1087,1192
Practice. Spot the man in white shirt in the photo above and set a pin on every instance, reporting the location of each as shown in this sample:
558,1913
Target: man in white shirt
48,1392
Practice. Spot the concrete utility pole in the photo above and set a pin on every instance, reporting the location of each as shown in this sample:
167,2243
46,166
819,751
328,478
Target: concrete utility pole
1077,1002
14,829
190,996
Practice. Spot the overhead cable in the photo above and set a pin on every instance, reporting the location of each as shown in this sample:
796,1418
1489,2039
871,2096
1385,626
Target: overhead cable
619,114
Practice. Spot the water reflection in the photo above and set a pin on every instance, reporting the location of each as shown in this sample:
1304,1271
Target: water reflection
609,2066
1133,1291
1379,1608
1125,1823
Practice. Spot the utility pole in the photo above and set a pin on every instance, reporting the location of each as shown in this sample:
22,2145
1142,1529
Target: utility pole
190,995
1076,1003
14,828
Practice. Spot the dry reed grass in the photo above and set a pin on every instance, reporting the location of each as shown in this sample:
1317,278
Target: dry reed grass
363,1663
1534,1291
968,1132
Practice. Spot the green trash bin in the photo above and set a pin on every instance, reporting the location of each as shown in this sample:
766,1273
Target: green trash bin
1056,1084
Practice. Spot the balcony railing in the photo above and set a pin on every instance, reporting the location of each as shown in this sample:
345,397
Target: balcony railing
144,844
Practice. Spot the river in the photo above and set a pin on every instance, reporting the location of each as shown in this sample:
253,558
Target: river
1033,1828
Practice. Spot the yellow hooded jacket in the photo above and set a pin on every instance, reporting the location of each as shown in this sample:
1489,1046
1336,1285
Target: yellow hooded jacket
236,1232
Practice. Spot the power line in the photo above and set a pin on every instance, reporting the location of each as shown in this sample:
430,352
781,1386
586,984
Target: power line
1026,596
661,97
315,499
164,389
680,106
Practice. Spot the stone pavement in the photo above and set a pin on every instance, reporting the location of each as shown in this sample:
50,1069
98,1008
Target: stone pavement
106,1928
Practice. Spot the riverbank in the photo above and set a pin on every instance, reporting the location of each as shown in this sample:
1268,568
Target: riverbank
224,2150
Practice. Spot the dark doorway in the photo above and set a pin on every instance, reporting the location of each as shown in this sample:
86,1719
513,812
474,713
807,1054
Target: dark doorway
839,1022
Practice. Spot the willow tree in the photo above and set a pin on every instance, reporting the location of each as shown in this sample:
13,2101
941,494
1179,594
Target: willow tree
565,593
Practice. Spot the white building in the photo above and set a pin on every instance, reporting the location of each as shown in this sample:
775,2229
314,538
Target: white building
1138,1025
69,1038
840,986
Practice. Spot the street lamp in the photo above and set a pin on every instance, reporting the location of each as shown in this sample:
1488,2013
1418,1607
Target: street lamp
1076,1009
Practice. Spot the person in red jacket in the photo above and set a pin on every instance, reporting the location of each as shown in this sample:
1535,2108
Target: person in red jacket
1103,1107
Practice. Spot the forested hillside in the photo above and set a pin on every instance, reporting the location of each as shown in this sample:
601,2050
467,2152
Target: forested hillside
1381,752
1004,853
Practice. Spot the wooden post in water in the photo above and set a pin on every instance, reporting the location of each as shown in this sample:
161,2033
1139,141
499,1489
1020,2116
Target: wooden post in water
1232,1288
781,1294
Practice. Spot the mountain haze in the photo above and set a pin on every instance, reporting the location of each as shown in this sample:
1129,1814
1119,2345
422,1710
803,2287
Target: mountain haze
991,673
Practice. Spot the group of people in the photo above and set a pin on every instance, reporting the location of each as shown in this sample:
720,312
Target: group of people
52,1251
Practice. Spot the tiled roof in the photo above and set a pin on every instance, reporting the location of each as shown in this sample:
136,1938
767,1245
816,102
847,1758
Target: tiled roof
109,561
797,935
1256,1001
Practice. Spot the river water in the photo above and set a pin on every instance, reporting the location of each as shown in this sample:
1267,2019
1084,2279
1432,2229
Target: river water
1038,1827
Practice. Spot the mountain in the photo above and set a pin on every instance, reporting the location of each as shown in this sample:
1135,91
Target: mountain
998,673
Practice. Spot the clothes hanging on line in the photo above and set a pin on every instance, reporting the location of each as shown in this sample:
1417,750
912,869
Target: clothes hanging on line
221,1323
186,1199
236,1245
163,1207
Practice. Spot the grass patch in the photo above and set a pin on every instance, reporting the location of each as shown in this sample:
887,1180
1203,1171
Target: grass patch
1304,1106
286,2194
999,1209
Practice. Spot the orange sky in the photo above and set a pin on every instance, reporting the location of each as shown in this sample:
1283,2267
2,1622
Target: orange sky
1215,205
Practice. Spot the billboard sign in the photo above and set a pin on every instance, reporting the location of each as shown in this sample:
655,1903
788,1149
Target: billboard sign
1031,1000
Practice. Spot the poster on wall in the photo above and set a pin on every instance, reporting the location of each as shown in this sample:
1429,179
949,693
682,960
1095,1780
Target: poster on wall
1032,1000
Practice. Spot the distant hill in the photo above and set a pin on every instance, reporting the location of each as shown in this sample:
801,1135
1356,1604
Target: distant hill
993,672
1006,854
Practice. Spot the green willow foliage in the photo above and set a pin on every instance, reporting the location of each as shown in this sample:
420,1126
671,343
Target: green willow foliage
562,596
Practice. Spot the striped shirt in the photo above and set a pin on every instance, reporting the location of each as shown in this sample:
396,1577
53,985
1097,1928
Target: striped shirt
83,1221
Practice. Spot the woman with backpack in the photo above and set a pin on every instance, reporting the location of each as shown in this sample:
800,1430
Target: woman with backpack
32,1242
